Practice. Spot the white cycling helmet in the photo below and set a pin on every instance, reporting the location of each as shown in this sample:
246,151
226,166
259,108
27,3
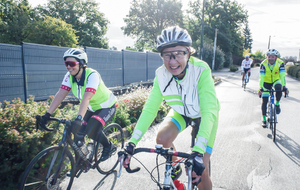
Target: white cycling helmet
273,52
78,54
173,36
246,56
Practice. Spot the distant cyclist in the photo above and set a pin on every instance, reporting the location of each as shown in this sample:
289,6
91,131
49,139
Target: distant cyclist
186,84
246,67
97,102
272,74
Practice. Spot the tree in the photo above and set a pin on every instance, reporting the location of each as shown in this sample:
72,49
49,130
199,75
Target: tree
14,20
90,24
147,18
228,17
259,54
52,31
248,39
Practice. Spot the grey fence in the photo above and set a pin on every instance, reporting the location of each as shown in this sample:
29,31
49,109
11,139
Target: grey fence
38,70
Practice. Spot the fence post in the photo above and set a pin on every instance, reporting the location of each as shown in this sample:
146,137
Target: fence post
123,72
24,72
147,66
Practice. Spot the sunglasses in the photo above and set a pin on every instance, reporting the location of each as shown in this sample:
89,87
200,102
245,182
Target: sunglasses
71,63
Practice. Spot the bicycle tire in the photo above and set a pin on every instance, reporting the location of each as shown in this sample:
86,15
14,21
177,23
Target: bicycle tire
274,124
35,175
115,134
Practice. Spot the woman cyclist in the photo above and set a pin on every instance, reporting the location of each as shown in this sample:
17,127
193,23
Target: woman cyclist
186,84
97,102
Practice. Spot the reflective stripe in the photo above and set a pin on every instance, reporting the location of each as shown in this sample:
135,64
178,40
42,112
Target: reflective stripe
108,103
137,134
202,139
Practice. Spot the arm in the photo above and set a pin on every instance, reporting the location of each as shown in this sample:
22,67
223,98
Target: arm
209,108
282,74
85,103
242,66
59,97
148,114
262,76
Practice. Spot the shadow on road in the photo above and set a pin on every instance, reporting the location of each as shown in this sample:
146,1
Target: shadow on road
288,146
108,182
252,91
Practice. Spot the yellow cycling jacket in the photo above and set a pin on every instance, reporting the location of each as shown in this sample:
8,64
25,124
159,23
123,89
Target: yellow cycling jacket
270,76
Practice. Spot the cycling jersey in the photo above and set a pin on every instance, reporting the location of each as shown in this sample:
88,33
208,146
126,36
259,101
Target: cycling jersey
92,82
193,96
246,64
271,75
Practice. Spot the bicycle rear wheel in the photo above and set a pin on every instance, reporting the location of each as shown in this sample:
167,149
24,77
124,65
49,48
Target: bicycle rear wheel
115,135
40,173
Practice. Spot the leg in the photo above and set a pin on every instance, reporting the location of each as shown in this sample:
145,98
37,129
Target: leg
243,76
166,135
278,86
205,183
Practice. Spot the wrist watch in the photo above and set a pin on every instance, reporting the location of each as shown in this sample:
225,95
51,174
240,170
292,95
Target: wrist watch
79,117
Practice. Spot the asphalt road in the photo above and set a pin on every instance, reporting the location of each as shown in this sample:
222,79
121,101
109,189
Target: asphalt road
244,155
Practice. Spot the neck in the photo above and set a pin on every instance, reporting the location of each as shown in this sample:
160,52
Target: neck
78,76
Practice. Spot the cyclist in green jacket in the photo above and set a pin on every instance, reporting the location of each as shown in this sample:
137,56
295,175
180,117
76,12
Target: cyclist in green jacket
186,84
272,74
97,102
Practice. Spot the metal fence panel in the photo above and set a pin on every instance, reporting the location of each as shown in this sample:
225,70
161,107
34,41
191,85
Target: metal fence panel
45,69
154,61
134,67
108,63
11,73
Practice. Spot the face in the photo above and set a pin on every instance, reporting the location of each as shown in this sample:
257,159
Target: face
247,58
175,60
70,61
272,59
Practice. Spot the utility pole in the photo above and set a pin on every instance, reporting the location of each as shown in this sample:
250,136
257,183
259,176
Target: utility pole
202,31
269,42
215,46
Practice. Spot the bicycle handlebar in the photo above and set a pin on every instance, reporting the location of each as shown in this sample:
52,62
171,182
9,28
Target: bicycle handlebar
272,90
160,151
39,119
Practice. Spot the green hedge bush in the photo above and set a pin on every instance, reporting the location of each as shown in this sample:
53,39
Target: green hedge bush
293,70
233,68
20,142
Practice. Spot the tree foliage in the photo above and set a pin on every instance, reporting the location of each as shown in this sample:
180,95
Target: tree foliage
52,31
248,39
147,18
90,24
14,20
227,16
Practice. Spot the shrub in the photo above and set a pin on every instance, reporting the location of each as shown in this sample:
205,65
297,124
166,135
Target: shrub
293,70
19,140
233,68
208,56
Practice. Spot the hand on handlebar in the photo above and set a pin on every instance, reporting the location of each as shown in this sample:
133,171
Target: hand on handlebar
198,167
45,119
130,150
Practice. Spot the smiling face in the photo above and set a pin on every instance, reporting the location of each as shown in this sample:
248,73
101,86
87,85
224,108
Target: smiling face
175,60
272,59
72,70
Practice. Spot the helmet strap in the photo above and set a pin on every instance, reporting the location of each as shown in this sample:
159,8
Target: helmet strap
80,66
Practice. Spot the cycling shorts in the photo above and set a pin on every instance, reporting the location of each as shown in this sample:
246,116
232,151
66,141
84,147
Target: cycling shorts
182,122
246,70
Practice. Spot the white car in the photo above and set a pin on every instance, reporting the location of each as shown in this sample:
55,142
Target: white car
289,63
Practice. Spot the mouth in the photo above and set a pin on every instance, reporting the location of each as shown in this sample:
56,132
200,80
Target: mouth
174,67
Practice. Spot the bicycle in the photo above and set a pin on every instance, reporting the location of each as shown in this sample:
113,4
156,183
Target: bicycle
271,112
55,167
245,81
167,153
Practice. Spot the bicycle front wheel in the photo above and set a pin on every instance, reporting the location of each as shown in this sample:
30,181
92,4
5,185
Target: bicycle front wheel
274,123
115,135
41,171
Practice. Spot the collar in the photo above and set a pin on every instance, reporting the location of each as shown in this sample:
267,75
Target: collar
81,81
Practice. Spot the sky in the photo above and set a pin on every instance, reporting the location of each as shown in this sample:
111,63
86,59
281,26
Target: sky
276,21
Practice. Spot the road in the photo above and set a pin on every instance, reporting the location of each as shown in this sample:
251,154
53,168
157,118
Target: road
244,155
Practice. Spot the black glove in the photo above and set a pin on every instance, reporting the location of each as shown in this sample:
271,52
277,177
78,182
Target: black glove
45,119
198,166
76,124
130,148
